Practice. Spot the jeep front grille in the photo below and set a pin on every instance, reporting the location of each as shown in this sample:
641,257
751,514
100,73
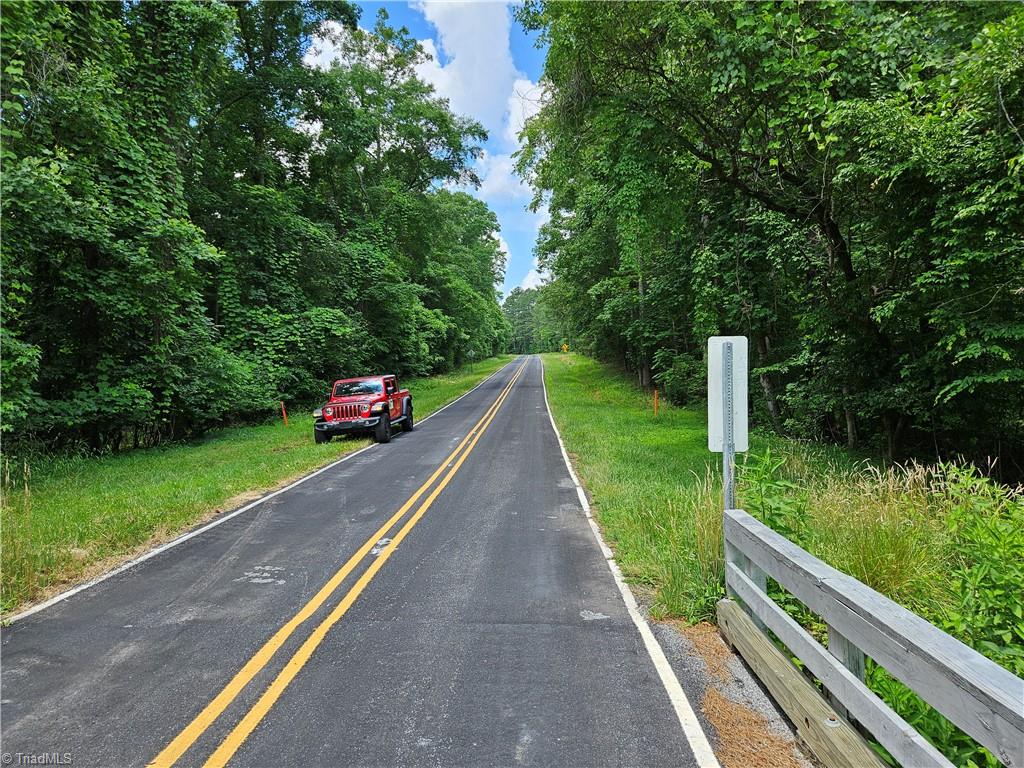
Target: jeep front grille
346,411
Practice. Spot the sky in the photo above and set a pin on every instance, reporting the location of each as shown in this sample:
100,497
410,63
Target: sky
488,67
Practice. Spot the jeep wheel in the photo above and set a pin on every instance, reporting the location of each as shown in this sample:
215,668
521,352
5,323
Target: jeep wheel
382,432
321,437
407,425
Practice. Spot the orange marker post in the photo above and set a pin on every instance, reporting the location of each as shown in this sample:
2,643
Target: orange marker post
655,402
284,413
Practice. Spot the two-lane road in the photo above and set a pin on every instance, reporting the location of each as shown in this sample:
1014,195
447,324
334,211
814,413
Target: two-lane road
441,600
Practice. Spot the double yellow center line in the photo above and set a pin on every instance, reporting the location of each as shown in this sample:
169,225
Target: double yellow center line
191,733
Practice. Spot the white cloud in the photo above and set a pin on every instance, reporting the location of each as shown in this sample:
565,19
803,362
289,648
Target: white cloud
534,278
498,180
503,245
325,48
431,71
479,72
311,128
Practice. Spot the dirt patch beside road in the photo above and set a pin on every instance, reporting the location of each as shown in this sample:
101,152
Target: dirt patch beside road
746,728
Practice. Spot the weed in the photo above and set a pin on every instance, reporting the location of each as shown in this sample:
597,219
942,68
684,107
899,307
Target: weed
943,541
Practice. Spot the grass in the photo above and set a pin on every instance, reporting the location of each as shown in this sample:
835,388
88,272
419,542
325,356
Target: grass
655,487
657,491
943,541
651,480
67,517
886,528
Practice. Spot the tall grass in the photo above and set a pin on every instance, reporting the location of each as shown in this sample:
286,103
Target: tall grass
692,575
68,515
944,541
884,527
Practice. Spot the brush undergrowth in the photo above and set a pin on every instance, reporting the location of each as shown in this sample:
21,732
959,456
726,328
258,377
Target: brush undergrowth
943,541
67,514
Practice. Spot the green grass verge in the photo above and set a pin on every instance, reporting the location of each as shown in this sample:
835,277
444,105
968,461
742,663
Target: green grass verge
651,480
67,517
657,493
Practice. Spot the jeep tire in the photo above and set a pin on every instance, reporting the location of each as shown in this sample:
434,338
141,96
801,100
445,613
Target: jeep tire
382,432
407,425
321,437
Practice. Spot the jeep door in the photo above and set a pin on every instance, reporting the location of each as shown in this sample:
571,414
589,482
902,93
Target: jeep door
394,403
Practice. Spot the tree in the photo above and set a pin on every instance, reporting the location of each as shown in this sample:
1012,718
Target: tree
520,308
839,182
197,222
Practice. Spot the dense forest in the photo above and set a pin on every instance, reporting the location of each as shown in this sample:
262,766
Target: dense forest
841,182
197,222
534,326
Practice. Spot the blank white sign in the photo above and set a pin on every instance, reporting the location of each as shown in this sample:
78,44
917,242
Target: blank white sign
716,436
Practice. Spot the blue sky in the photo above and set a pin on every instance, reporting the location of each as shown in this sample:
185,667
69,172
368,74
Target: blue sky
488,68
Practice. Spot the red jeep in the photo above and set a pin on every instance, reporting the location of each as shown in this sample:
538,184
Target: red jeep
367,404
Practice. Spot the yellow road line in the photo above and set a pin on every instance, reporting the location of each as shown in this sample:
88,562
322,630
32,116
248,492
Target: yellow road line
252,718
188,736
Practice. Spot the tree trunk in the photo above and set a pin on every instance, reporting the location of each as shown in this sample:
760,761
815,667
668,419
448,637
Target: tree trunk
772,403
851,419
645,372
645,362
770,398
895,425
831,428
851,428
838,248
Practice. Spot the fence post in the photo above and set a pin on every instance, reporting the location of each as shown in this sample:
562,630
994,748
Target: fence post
733,556
850,656
760,580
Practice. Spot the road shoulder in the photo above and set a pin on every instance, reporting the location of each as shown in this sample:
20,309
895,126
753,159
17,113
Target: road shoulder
724,703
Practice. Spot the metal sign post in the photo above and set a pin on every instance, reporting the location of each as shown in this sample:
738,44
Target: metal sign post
727,406
728,427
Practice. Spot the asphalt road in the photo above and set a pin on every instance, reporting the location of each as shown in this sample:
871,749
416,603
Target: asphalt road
484,627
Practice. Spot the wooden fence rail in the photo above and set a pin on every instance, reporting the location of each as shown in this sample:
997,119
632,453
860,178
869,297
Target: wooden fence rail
977,695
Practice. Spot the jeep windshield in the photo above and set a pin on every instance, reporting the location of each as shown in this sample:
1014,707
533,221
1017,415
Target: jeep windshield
352,388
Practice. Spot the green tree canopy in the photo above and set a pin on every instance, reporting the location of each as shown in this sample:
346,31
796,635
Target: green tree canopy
840,182
197,222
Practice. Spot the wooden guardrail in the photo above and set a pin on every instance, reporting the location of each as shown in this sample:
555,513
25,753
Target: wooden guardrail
977,695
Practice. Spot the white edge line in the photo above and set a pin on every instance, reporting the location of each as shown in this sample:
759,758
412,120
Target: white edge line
692,729
222,519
